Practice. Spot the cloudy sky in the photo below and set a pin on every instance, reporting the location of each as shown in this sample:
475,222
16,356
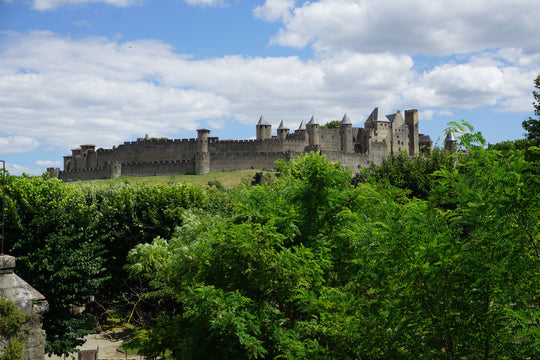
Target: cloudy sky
107,71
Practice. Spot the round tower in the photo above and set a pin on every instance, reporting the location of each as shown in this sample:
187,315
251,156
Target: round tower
314,133
202,140
450,143
264,129
282,131
202,157
345,134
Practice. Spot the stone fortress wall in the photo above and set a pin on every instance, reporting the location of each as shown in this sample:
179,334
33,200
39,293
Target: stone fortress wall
354,147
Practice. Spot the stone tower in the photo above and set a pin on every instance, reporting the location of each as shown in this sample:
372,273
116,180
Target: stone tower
425,143
411,119
202,157
30,302
450,143
282,131
314,134
264,129
345,134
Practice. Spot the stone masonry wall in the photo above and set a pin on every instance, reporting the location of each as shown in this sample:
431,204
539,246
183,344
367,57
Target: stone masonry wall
351,160
158,168
102,172
28,301
242,161
148,151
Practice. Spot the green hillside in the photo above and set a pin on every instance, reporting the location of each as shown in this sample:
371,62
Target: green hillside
227,178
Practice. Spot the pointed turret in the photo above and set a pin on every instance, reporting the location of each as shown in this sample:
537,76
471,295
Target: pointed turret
346,120
345,134
313,133
282,131
263,129
262,121
425,143
450,143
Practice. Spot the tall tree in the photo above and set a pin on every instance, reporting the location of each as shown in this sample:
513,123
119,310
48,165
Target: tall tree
531,125
308,267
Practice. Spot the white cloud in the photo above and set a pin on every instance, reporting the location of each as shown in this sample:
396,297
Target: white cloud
17,169
273,10
17,144
435,27
43,5
430,114
48,163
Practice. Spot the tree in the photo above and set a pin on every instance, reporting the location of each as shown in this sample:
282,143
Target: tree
334,124
531,125
308,267
467,136
51,229
414,174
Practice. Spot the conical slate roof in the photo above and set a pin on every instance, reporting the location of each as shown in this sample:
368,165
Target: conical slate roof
282,126
391,117
312,121
450,137
302,125
346,120
262,121
374,115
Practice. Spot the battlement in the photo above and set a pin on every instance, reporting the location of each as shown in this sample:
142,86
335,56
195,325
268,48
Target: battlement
157,162
157,141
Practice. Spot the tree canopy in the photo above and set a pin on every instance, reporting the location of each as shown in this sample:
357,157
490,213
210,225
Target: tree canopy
532,125
309,267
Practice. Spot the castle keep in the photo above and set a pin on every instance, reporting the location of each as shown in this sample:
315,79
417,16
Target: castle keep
355,147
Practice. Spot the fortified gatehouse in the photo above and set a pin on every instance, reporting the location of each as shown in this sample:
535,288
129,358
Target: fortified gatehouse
354,147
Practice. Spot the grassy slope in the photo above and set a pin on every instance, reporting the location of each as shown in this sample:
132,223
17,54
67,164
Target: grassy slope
226,178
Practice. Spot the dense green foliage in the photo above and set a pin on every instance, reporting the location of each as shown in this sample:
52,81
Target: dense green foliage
51,229
308,267
334,124
11,322
71,243
532,125
416,175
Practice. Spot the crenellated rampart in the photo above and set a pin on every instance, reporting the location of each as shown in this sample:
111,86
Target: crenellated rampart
158,168
351,146
242,160
106,171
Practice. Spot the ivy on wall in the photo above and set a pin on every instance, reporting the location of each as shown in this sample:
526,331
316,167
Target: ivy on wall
11,328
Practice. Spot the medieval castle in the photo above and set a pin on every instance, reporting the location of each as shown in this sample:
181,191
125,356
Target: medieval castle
354,147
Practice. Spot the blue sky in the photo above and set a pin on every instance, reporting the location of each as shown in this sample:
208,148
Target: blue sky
107,71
